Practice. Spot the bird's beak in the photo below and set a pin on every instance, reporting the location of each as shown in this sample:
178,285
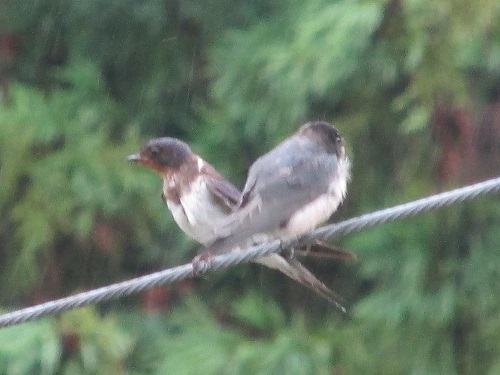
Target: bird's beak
134,157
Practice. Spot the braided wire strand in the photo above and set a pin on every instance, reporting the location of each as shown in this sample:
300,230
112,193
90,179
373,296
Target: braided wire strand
171,275
406,210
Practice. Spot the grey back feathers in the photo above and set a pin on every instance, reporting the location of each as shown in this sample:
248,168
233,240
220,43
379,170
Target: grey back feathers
289,177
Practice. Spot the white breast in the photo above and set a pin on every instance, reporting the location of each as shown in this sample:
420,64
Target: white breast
320,209
194,215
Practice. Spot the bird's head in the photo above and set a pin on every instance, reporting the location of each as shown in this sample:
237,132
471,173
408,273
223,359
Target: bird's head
163,155
325,135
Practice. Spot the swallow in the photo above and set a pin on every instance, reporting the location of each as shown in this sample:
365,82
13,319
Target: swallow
289,191
195,193
200,198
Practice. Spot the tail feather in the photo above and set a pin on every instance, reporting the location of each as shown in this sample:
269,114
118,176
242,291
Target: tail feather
296,271
320,249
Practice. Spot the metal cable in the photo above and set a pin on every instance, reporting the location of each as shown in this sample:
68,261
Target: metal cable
405,210
171,275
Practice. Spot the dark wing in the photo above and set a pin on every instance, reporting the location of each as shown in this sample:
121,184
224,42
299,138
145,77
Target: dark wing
270,201
222,190
225,192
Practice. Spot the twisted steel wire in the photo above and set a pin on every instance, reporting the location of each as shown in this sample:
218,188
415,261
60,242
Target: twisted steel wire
171,275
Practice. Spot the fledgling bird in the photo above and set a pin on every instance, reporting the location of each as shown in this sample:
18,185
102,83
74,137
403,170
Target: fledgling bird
200,198
290,190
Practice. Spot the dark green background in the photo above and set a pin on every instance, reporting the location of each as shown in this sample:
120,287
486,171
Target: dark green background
414,87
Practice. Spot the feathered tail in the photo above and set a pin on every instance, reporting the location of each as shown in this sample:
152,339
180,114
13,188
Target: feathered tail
296,271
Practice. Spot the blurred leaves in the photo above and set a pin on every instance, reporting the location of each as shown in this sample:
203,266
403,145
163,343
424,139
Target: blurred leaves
79,343
93,344
33,348
281,347
295,48
65,176
405,81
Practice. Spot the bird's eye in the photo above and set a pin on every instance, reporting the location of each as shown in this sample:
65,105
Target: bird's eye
154,150
338,140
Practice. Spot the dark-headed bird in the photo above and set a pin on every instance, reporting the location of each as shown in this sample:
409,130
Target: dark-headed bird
289,191
201,200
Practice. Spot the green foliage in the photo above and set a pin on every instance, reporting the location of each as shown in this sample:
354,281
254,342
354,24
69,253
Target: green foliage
250,310
191,342
152,52
233,79
101,345
432,295
65,178
33,348
295,48
184,351
80,342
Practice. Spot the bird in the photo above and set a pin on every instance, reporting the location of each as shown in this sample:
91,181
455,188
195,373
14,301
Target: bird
200,198
289,191
195,193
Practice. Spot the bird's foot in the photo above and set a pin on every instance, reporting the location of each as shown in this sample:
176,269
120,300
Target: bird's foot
287,250
201,263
